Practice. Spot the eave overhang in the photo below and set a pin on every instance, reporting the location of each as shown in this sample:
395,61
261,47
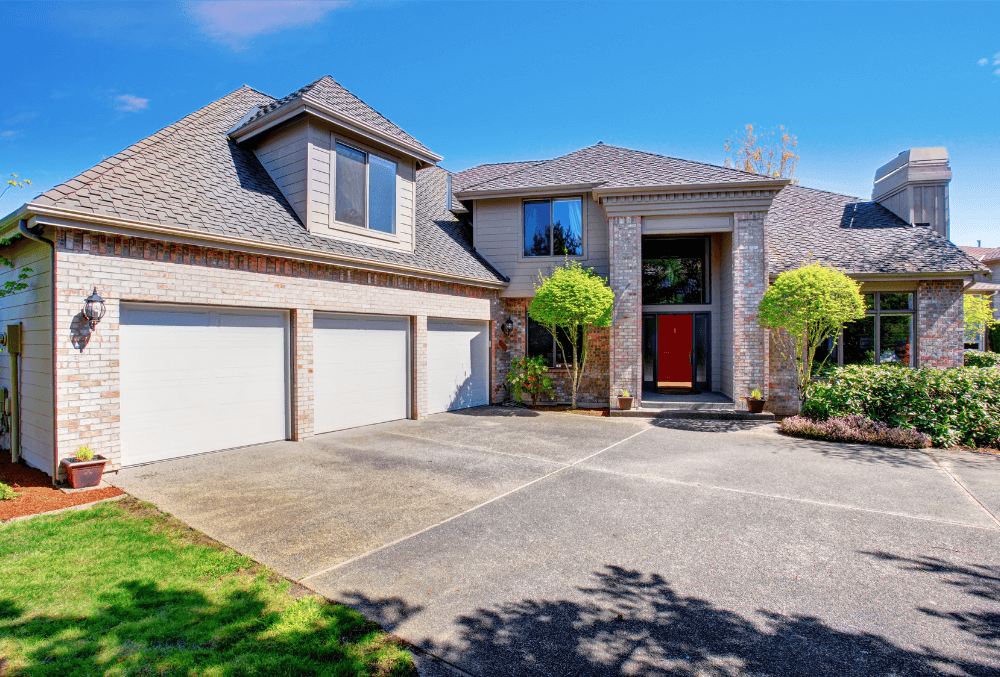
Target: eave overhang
112,225
680,200
310,107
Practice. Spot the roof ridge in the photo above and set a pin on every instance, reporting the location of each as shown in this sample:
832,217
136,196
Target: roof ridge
830,192
677,159
126,154
532,163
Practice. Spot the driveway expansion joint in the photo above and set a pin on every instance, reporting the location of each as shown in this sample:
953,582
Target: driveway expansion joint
964,488
472,509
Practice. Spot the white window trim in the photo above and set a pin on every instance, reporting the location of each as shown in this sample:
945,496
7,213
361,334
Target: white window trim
350,227
553,257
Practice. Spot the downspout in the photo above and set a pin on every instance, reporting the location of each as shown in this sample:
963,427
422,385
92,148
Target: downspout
22,228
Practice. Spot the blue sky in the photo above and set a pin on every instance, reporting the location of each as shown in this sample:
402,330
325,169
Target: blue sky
856,83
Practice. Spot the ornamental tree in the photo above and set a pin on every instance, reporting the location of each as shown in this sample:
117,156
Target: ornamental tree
978,317
569,303
806,307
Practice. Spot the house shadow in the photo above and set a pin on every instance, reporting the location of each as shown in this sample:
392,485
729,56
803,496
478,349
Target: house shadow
709,425
630,623
863,453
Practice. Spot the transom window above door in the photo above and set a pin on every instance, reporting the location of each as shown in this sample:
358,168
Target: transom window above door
553,227
366,190
675,270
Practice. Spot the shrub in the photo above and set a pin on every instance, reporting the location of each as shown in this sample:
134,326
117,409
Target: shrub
84,453
6,492
977,358
529,376
953,406
855,428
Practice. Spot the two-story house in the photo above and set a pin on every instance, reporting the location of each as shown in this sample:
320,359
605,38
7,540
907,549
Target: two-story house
278,268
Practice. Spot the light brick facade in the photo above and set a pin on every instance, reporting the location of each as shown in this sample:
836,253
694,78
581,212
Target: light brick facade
750,340
625,341
940,321
135,269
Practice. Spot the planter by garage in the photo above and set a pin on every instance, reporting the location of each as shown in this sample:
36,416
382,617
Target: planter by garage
84,473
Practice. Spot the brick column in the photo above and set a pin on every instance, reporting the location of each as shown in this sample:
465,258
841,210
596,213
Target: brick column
419,384
625,340
940,324
302,388
750,341
506,348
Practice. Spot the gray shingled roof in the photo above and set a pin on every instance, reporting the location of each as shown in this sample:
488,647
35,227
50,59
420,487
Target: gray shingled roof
859,237
190,175
333,95
607,167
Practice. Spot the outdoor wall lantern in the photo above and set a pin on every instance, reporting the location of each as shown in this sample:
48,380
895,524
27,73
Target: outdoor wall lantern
507,327
94,309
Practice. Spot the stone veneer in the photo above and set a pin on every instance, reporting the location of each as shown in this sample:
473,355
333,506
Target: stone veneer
750,279
594,384
146,270
625,341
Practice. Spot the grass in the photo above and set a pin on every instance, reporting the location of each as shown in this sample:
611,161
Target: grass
122,589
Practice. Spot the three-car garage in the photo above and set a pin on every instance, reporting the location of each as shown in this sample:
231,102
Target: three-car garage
196,379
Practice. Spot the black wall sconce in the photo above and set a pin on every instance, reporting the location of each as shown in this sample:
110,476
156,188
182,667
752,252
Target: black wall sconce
507,327
94,309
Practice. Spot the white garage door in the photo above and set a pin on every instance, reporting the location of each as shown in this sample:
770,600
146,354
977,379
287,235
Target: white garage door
361,370
197,379
458,364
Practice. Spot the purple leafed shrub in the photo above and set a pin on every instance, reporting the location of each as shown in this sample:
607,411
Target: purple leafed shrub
855,428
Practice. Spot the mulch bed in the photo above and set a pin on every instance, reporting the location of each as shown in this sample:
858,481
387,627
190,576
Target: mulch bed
36,493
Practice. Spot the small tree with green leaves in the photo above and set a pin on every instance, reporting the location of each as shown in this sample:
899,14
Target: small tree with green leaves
12,286
978,318
805,308
570,302
529,376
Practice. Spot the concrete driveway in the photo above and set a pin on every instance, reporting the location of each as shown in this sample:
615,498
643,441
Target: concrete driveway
508,542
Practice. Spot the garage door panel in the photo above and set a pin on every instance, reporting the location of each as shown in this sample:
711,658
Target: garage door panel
198,380
360,371
457,364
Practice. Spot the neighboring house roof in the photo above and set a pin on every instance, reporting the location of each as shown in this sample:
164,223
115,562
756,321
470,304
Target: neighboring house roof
860,237
332,94
191,176
984,254
607,166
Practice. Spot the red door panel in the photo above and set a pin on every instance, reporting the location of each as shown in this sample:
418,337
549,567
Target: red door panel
673,339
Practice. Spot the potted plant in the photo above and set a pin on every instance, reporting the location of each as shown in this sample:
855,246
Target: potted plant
624,401
84,469
755,403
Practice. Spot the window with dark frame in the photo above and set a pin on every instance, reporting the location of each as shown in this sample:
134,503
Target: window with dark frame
885,335
541,342
553,227
365,194
675,270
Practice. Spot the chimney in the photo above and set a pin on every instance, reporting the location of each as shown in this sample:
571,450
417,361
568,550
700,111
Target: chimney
914,187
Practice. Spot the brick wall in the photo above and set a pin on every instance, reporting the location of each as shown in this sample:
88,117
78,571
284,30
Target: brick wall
749,276
940,322
136,269
594,383
782,390
625,340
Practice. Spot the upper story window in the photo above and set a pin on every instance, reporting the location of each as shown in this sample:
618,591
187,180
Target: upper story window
553,227
675,270
366,190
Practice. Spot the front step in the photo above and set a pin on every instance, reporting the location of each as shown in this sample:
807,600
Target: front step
703,414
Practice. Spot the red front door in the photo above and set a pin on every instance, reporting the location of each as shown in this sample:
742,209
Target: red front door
673,348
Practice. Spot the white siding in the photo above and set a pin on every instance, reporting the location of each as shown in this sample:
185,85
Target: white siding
33,308
497,234
284,157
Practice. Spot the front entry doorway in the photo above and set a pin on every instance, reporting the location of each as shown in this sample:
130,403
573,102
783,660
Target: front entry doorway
675,352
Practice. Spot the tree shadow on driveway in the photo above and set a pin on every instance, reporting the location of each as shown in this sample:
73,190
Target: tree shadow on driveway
630,623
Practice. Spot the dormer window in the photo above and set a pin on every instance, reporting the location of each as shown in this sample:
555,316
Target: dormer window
366,190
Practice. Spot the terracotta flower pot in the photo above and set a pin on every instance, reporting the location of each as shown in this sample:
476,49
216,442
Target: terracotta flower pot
84,473
625,403
755,405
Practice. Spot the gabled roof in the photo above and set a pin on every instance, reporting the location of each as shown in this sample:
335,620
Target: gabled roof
984,254
605,166
857,236
331,94
191,176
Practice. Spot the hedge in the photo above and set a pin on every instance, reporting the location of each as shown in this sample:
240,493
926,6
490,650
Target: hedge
977,358
953,406
855,428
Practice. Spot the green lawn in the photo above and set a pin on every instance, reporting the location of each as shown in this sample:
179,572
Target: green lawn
121,589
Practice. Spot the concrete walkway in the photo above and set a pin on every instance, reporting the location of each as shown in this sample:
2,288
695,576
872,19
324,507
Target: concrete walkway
507,542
